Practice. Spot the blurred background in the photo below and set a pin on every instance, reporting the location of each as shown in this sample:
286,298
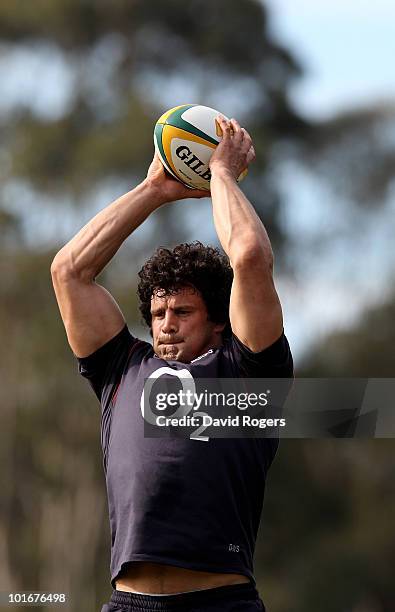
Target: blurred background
82,84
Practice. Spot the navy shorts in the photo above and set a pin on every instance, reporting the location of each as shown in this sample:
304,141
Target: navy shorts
232,598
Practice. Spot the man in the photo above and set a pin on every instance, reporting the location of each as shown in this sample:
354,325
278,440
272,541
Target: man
184,513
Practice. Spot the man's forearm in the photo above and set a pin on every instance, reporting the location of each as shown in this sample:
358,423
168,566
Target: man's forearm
97,242
240,231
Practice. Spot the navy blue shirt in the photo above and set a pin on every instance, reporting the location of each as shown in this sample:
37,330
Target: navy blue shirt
180,502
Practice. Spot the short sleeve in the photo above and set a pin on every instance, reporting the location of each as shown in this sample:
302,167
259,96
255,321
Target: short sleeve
275,361
104,367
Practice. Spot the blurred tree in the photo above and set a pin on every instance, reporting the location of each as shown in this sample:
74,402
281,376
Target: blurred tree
54,532
326,541
126,59
365,350
327,529
356,152
118,59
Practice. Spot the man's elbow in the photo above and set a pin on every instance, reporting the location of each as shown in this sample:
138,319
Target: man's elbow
63,269
60,265
253,255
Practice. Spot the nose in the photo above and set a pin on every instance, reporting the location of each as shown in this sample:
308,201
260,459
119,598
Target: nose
169,322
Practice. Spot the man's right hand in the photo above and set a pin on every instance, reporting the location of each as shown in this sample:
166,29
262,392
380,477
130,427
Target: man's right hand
90,314
167,188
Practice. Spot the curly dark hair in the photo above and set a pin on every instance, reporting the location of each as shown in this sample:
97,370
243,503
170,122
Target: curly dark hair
201,267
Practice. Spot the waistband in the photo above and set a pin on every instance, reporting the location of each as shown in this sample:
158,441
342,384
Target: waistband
166,603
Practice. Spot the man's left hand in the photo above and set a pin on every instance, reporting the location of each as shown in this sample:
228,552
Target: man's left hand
235,151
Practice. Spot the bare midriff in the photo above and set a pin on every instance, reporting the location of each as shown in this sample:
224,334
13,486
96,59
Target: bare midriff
156,578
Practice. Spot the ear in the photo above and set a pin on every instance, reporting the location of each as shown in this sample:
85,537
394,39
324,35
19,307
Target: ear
219,327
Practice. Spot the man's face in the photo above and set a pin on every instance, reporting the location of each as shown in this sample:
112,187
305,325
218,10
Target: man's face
181,329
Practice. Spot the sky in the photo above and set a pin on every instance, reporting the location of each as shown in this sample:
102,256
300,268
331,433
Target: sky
346,47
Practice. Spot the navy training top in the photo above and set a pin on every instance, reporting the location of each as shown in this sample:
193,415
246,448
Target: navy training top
180,502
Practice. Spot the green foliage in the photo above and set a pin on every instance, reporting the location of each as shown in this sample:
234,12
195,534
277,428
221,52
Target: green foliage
329,504
365,350
72,23
326,538
66,157
355,151
53,485
116,52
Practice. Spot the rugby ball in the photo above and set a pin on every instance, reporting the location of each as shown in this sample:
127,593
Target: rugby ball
185,137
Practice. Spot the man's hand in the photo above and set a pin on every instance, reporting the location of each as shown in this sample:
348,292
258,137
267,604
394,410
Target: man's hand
168,189
255,309
235,151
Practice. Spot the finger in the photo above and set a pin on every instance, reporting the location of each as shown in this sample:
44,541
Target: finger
224,126
187,192
251,155
236,126
245,144
247,138
199,193
237,132
246,134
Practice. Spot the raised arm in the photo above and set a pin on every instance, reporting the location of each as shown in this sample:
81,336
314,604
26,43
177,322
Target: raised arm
255,309
90,314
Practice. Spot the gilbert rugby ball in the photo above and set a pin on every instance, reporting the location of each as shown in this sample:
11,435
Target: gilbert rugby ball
185,138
